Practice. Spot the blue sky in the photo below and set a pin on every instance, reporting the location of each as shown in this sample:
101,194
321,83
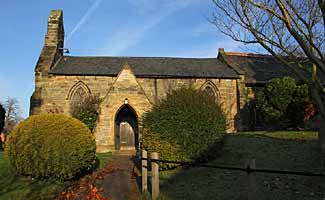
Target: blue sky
177,28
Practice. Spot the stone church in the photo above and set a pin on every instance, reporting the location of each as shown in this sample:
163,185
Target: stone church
129,86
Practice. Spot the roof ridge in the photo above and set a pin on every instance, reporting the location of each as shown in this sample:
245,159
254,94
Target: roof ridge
247,54
56,63
139,57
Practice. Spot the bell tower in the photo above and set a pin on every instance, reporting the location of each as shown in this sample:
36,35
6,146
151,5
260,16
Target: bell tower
51,52
54,43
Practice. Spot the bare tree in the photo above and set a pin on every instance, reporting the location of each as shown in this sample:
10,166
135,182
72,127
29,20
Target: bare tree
290,30
2,117
12,116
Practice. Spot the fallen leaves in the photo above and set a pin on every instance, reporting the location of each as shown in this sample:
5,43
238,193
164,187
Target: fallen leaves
85,188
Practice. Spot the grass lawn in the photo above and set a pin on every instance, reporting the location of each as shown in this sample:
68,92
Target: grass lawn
272,150
24,188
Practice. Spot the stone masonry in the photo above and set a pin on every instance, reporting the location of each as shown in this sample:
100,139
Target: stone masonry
53,92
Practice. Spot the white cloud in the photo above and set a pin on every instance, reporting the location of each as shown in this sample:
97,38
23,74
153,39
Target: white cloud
143,6
209,50
131,34
84,18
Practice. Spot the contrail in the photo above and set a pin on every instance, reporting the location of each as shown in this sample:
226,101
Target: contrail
84,18
131,34
75,29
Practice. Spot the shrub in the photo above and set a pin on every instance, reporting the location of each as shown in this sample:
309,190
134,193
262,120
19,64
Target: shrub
188,125
51,146
282,103
87,111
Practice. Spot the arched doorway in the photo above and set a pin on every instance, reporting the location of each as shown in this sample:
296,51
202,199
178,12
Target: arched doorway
126,129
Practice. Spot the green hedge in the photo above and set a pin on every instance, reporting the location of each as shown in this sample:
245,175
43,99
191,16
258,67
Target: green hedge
282,103
188,125
51,146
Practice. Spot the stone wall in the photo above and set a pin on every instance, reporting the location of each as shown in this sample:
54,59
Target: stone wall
58,90
141,94
125,89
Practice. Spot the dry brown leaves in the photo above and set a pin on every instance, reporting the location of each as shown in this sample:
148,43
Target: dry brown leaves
85,188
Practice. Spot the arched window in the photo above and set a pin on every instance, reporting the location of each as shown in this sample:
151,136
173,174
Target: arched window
210,88
78,93
210,91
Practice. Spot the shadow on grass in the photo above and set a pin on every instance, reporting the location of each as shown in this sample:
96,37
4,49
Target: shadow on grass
26,188
271,151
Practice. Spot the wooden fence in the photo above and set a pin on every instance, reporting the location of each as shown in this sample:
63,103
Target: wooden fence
249,167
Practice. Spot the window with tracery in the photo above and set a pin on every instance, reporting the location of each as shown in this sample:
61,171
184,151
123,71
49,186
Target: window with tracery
79,95
209,90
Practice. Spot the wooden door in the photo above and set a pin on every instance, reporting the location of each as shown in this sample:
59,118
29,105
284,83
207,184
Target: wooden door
126,136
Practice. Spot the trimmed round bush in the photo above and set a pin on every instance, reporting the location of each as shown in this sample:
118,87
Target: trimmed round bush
51,146
188,125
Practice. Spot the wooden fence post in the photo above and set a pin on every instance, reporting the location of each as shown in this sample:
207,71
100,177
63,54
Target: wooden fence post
155,176
144,171
251,180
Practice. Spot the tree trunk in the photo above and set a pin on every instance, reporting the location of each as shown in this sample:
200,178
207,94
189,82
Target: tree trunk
319,98
322,133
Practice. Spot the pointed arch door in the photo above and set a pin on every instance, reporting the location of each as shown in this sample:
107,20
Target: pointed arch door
126,129
126,136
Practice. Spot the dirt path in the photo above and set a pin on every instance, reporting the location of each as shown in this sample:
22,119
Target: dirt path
115,181
121,183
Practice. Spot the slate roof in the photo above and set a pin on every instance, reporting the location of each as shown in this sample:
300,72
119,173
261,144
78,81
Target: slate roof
144,67
258,69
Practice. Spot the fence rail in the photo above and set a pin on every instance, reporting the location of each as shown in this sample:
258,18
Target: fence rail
249,168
